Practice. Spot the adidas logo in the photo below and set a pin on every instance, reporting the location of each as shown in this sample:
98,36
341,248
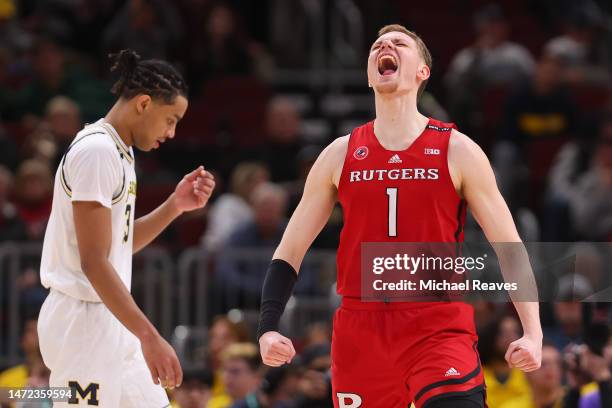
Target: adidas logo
395,159
452,372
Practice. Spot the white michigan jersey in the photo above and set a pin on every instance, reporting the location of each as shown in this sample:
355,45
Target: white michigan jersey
97,166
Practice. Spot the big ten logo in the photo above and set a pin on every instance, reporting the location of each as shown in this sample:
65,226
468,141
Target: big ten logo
77,391
348,400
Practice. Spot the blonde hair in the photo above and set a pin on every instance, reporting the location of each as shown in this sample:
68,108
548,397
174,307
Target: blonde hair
247,352
423,50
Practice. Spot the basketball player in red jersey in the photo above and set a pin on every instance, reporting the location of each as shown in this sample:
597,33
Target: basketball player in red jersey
389,354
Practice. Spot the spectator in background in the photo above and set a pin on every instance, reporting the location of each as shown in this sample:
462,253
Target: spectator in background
244,276
570,165
220,47
63,117
233,208
222,333
51,138
568,323
277,390
40,146
14,37
77,23
590,202
269,203
150,27
545,383
503,383
54,76
33,196
304,160
577,201
49,69
289,32
539,117
195,390
12,227
241,373
283,140
315,382
328,238
588,374
585,46
15,41
542,107
33,371
493,60
590,269
317,333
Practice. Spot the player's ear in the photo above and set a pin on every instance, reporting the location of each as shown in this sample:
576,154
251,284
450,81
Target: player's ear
423,72
142,103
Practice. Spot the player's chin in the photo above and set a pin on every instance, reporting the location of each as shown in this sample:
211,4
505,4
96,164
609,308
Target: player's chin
387,85
144,147
152,146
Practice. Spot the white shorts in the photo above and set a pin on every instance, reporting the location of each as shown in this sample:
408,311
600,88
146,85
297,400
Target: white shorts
88,349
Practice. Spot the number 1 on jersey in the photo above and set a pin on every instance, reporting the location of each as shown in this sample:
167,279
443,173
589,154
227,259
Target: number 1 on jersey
392,194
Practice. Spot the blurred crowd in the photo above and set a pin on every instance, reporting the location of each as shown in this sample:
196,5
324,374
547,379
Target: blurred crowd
529,80
575,373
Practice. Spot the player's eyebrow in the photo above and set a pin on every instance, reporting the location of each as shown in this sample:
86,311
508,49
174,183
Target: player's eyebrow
178,118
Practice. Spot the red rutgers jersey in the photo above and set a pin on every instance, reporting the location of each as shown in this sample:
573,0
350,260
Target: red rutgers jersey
386,354
395,196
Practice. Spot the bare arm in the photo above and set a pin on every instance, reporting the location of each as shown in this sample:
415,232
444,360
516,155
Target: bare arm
94,236
192,192
148,227
472,171
308,219
315,207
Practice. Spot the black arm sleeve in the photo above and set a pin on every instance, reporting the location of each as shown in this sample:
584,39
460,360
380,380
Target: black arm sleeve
277,288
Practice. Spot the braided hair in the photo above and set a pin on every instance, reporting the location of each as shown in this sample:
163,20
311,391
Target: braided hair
152,77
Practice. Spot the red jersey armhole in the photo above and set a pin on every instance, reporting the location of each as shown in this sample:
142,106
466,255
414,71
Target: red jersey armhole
346,158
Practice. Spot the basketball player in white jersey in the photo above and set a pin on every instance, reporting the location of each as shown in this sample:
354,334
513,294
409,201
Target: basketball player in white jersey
93,336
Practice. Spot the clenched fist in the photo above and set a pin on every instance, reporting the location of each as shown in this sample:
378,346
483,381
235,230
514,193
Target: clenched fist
525,354
275,349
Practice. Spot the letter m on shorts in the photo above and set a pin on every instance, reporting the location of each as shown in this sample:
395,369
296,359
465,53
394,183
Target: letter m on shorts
77,391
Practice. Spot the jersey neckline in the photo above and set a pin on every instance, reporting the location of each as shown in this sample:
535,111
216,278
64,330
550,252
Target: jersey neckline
371,124
127,150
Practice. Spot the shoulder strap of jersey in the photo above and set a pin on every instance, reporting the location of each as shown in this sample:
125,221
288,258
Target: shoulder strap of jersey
64,181
359,136
440,126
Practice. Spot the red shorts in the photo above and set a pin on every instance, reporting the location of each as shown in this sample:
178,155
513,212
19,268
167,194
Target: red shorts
387,355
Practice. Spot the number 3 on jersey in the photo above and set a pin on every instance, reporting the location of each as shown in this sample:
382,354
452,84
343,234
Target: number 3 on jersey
128,213
392,194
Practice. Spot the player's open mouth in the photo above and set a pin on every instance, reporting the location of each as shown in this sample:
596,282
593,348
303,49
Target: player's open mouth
387,65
